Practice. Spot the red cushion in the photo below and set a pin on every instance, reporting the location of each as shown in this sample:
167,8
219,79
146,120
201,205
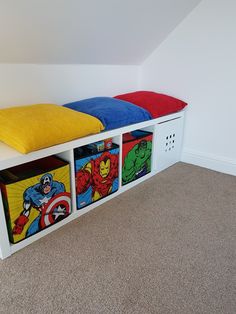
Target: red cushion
157,104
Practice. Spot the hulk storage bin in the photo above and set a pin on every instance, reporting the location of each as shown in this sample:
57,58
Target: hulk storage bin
35,196
136,155
96,174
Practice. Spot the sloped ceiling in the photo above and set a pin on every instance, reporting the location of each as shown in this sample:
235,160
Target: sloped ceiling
86,31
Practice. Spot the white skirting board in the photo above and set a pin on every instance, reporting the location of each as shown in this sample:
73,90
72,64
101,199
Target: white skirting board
210,161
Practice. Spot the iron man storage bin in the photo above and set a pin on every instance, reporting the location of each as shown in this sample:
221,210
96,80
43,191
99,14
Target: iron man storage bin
35,196
96,174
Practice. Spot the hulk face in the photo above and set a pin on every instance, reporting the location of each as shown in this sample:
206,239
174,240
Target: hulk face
105,168
141,151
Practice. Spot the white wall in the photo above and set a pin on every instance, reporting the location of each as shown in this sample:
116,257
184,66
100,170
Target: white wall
86,31
197,63
26,84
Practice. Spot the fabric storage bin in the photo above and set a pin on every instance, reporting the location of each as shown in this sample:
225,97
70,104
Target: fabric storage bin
136,155
169,143
96,174
35,195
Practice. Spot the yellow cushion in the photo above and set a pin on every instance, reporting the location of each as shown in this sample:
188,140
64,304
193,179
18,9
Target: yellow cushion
29,128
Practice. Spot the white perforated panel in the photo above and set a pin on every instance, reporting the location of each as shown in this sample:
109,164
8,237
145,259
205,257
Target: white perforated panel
169,143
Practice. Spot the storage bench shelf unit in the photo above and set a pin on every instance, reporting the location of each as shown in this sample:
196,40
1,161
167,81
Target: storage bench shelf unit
165,152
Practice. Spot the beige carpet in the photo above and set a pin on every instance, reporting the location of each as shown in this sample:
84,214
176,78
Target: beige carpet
166,246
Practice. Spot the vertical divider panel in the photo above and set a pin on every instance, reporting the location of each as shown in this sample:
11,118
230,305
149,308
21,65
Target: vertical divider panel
5,250
154,148
118,140
69,156
153,129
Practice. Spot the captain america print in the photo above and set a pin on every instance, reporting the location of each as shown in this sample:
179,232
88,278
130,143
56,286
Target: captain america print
49,198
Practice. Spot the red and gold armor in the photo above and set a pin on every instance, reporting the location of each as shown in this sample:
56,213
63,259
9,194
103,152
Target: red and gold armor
99,174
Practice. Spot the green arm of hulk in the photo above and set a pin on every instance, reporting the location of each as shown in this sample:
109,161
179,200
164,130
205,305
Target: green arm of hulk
128,170
149,147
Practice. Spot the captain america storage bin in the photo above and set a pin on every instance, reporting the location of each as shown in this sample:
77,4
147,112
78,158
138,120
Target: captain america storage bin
35,195
96,174
136,155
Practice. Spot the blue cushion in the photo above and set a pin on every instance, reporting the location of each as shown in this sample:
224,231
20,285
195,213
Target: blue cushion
113,113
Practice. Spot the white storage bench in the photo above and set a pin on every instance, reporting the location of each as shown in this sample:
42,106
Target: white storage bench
166,150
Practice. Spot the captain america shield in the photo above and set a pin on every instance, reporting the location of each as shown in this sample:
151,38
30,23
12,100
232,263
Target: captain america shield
56,209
